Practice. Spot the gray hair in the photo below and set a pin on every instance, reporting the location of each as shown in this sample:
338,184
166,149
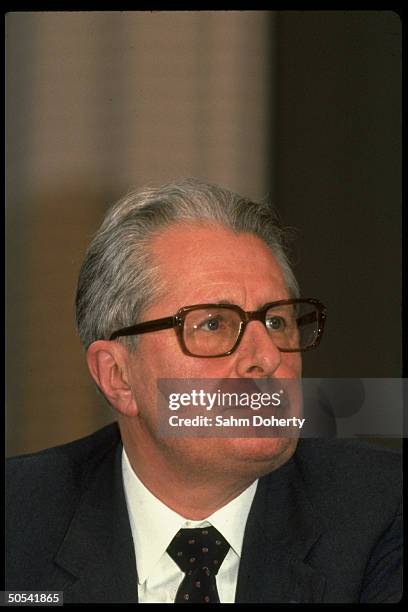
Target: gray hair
118,278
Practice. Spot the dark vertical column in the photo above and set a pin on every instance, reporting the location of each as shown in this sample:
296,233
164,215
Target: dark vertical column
339,179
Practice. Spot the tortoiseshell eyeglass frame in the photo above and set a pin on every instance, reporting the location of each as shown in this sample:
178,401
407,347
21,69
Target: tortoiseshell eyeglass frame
176,322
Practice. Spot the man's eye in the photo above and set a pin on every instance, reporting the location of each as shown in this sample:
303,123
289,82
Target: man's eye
275,323
212,324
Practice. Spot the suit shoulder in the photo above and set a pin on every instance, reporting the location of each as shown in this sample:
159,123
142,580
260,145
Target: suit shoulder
348,458
44,491
65,464
347,474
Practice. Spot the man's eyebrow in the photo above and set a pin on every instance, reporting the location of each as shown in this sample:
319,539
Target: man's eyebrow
233,303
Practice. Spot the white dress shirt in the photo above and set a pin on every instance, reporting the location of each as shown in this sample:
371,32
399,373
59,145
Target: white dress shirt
154,525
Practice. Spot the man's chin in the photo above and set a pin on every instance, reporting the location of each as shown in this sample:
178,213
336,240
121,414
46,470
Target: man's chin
237,459
264,455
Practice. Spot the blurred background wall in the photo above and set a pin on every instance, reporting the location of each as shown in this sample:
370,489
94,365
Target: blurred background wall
301,107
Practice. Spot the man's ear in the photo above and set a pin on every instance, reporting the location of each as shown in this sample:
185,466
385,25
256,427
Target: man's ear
108,365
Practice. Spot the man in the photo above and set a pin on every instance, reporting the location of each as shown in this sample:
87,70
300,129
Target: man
104,519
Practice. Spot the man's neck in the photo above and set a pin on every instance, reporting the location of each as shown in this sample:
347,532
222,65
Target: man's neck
194,495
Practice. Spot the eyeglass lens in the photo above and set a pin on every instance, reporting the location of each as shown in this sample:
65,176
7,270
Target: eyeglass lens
214,331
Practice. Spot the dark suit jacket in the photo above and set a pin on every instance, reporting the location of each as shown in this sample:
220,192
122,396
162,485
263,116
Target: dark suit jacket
326,527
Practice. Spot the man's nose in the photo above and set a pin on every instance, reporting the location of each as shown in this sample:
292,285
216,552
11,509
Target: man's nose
257,355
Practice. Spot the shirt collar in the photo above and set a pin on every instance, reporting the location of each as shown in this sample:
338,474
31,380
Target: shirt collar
154,524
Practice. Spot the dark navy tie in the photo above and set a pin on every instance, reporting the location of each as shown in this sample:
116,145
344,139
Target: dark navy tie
199,554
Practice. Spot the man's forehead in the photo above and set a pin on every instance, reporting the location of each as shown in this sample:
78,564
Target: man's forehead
201,263
206,240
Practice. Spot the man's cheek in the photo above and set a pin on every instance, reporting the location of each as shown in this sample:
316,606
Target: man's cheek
292,362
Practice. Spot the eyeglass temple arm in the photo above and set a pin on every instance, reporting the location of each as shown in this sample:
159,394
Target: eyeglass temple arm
144,328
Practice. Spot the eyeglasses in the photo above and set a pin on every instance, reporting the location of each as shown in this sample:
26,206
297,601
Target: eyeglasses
215,330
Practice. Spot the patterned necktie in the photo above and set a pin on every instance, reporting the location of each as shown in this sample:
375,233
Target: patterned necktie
199,554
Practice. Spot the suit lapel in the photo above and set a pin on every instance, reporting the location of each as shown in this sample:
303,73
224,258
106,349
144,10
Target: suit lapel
281,530
97,552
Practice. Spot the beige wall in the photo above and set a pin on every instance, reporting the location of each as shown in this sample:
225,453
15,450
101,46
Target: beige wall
97,103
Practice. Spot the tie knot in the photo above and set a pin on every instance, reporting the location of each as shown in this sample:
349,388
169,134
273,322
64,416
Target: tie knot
203,549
